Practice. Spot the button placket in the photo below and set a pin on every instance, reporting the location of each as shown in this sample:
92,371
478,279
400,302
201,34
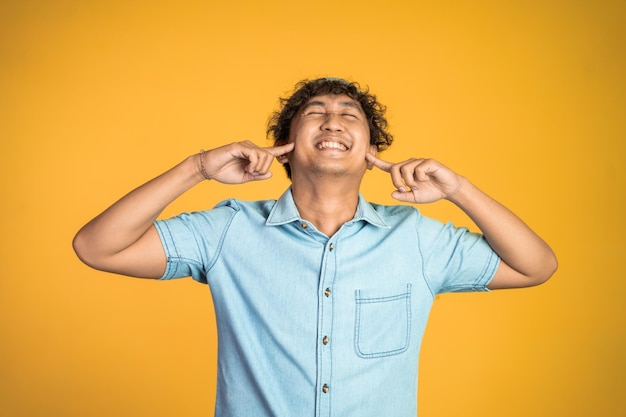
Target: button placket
325,328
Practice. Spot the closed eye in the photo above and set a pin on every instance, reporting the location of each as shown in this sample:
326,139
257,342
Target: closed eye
319,113
314,113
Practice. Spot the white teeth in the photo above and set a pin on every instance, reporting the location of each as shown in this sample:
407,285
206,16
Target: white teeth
331,145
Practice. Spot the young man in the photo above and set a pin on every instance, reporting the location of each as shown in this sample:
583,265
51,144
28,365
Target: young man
321,297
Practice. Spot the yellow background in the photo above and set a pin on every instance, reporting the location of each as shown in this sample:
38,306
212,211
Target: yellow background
526,98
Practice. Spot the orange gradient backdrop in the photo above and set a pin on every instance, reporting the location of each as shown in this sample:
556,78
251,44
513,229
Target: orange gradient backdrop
526,98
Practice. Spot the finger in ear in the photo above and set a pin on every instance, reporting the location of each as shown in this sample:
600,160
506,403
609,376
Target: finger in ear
373,150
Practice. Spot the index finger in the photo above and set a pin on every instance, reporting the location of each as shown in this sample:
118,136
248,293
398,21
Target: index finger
379,163
281,149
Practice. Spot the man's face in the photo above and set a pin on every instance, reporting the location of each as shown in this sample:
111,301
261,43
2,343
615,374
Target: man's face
332,136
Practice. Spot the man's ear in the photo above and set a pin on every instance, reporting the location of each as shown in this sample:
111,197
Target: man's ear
373,150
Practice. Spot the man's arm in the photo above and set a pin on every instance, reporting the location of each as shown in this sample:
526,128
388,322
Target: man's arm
123,239
526,259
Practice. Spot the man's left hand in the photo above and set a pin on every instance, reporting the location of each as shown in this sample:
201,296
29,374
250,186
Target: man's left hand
420,180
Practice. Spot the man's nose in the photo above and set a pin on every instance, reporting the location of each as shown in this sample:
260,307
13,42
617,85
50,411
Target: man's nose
332,122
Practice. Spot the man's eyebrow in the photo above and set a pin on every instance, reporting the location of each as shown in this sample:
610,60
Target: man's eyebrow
352,104
313,104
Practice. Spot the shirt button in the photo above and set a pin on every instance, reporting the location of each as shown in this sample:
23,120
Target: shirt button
304,225
325,388
325,340
327,292
331,247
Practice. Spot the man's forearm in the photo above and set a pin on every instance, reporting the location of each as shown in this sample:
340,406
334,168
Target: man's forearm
102,242
516,244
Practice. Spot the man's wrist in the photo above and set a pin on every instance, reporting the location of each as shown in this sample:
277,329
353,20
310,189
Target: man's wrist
201,157
463,194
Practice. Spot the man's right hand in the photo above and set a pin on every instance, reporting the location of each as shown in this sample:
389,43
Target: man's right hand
123,239
240,162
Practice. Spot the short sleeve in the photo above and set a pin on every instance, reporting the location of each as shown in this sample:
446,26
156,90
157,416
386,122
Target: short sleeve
192,241
455,259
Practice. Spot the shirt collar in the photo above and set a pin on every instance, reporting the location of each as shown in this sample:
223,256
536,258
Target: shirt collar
285,211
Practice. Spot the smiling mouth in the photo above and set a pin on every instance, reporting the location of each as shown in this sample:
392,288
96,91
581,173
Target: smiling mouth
326,144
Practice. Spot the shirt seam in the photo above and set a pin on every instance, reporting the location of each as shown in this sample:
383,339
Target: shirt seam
218,250
171,266
422,258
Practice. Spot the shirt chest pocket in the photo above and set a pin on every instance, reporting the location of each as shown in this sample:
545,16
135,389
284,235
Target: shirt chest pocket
383,322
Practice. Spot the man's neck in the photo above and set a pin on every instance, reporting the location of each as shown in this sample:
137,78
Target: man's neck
326,204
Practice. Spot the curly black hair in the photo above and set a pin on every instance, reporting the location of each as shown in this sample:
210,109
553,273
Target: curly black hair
279,123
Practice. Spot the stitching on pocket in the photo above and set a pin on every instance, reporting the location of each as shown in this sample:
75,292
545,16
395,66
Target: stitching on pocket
375,308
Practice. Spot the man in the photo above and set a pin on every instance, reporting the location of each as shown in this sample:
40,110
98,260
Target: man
321,298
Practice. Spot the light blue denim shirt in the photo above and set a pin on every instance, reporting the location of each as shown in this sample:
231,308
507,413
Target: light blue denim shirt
315,326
